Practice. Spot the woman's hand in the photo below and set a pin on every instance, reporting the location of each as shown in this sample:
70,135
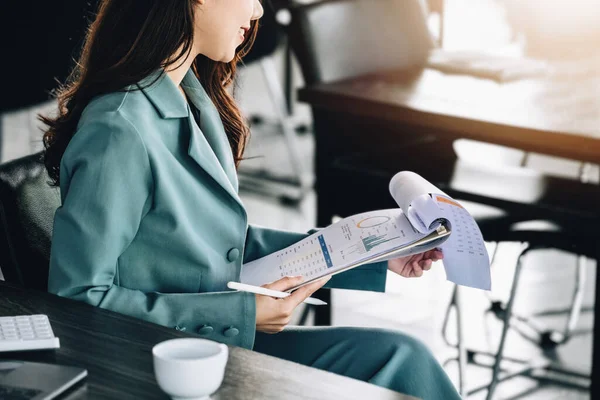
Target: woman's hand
413,266
272,315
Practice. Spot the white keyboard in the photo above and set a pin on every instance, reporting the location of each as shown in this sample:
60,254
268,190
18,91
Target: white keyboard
26,332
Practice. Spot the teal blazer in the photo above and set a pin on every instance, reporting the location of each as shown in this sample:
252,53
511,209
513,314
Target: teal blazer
151,224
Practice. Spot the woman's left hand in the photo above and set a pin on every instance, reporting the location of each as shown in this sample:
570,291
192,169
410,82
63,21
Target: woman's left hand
413,266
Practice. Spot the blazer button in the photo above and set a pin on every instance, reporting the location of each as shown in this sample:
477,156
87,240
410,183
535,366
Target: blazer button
205,330
231,332
233,254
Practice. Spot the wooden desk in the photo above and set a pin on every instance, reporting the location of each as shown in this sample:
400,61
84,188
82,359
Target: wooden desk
559,117
117,352
380,116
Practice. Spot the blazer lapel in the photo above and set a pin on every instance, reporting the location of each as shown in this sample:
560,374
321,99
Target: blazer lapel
211,125
168,100
201,152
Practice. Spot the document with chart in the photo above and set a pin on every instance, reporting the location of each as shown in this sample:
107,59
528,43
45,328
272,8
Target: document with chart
426,219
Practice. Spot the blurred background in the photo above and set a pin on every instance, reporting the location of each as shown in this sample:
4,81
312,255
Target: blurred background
499,106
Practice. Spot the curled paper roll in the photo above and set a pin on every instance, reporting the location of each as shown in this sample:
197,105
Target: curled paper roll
413,194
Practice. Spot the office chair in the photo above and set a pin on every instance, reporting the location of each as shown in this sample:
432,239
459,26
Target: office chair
27,206
319,34
319,38
572,242
270,37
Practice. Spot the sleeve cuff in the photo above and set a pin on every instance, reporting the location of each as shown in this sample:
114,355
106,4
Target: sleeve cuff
371,277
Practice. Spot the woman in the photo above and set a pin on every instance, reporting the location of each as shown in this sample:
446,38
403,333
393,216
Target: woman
145,151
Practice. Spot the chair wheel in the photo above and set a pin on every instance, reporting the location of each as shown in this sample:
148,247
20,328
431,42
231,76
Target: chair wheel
551,339
302,129
289,201
256,120
470,356
497,309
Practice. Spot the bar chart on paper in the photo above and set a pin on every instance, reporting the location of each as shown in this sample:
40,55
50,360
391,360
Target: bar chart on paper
363,235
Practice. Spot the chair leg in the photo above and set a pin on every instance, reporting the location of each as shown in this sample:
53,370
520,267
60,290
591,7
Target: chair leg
506,323
323,313
304,316
575,311
462,351
1,136
577,295
278,98
288,77
551,339
447,318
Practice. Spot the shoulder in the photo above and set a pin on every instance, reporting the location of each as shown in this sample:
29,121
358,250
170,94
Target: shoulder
107,133
121,108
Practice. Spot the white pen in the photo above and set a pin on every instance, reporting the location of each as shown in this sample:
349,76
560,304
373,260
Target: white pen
269,292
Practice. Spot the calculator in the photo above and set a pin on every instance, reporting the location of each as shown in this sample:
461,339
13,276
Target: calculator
26,332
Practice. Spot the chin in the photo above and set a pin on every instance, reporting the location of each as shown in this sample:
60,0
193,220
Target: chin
224,58
229,57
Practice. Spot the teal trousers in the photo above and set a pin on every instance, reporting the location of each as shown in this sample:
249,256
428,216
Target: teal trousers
378,356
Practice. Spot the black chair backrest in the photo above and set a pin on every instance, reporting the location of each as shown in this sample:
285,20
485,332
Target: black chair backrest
339,39
27,206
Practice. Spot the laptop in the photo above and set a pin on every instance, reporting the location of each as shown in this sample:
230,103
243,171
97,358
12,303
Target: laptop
24,380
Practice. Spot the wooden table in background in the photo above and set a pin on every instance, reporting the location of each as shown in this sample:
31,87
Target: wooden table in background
559,117
117,352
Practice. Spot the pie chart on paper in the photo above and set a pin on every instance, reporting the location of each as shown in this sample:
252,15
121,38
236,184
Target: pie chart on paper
373,221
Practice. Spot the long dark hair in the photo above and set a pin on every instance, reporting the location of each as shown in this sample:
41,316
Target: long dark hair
126,42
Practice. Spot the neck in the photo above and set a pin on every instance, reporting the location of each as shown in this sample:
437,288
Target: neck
177,71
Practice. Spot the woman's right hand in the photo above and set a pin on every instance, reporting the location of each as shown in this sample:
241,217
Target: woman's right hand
272,315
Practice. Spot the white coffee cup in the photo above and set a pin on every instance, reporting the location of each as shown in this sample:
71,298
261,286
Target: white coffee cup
189,368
